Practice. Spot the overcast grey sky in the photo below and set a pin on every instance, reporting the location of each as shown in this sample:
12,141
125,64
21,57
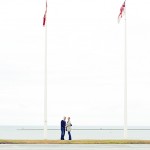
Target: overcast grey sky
85,62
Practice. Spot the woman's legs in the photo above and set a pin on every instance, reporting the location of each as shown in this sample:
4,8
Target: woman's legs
69,133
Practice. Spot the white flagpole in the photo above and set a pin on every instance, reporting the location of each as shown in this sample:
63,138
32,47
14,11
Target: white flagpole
125,81
45,82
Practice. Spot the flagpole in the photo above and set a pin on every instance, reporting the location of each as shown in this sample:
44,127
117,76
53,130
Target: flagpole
45,82
125,81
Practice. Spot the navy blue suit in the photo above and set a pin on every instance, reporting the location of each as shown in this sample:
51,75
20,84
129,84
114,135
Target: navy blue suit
63,126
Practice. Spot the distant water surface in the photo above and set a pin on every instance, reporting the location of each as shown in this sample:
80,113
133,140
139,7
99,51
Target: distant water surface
78,132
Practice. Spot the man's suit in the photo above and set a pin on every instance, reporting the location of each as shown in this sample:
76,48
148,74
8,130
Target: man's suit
63,126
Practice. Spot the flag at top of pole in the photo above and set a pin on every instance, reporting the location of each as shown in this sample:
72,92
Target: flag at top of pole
122,11
44,18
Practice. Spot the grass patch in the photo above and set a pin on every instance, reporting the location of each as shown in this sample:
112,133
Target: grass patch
75,142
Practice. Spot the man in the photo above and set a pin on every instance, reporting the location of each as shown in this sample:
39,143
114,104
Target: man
63,126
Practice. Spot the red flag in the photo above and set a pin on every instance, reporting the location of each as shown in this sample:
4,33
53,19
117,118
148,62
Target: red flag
122,10
44,18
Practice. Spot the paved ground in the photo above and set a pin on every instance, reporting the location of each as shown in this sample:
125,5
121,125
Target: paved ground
75,147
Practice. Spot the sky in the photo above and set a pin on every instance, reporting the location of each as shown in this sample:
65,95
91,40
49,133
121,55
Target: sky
85,62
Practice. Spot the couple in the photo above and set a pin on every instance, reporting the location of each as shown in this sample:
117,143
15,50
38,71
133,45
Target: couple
65,127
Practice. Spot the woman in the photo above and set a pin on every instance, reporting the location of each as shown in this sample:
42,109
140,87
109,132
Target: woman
68,128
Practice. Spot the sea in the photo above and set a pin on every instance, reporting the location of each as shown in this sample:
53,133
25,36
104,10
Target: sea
78,132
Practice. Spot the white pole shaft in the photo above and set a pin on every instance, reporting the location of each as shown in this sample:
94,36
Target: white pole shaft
45,85
125,82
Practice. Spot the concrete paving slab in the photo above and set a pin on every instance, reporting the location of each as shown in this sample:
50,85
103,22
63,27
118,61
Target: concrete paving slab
75,147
